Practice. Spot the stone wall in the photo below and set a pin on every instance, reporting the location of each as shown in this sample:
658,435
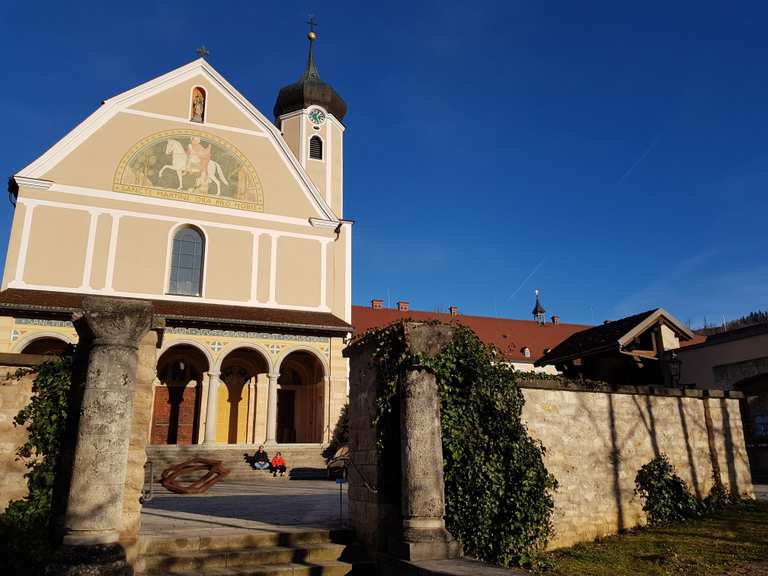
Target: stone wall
14,395
596,441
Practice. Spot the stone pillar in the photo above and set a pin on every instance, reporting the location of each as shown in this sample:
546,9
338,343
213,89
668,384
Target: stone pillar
202,417
249,430
262,390
272,409
93,516
210,411
424,536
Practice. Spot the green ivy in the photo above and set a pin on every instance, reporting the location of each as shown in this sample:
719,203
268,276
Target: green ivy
498,492
24,526
666,497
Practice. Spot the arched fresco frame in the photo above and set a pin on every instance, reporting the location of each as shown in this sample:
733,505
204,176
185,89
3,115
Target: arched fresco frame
154,164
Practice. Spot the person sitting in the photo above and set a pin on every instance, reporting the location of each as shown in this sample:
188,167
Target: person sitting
260,460
278,465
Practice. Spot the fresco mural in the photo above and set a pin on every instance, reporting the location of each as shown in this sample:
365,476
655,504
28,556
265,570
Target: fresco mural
190,166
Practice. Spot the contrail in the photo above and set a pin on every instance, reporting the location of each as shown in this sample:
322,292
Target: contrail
536,269
629,171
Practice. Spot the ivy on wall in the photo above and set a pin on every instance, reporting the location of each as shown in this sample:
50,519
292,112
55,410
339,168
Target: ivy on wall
24,526
498,492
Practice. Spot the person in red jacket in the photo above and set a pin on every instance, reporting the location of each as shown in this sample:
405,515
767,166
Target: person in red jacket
278,464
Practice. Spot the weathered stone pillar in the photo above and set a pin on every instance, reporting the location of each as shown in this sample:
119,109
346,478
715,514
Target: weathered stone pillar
210,411
424,536
93,517
272,409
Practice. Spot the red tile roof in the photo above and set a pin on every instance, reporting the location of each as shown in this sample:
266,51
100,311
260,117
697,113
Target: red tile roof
507,335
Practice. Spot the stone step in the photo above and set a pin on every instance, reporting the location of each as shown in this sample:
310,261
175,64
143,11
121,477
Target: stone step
158,545
324,568
242,558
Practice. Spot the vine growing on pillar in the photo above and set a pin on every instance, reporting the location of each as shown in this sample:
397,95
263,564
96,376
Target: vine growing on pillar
24,527
499,494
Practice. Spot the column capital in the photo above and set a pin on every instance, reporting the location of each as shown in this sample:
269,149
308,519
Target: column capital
273,376
110,321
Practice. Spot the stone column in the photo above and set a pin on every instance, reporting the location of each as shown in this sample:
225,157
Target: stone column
93,517
424,536
272,409
203,417
210,411
249,430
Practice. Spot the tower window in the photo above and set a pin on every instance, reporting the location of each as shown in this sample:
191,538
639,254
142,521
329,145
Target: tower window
316,148
187,263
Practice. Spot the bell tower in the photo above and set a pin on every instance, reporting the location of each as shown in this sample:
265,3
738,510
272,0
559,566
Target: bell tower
309,113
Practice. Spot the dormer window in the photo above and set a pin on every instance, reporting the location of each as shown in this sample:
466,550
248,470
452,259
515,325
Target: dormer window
316,148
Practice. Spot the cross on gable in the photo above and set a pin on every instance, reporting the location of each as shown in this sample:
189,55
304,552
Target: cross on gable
202,52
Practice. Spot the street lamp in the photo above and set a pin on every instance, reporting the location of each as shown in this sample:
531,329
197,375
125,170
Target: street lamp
674,363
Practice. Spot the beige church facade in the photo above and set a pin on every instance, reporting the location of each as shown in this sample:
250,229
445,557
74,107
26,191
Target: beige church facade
179,191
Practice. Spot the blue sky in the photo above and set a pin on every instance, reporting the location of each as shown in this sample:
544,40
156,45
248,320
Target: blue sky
614,156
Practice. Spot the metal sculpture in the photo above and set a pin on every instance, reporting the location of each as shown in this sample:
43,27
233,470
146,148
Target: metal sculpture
215,472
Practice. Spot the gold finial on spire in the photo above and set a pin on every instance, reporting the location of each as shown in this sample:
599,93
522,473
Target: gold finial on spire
312,22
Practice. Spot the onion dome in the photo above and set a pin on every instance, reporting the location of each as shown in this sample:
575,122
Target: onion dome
309,90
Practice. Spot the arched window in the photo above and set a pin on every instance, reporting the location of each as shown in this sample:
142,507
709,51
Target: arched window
187,263
316,148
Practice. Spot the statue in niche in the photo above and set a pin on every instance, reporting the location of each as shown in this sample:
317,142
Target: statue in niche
198,104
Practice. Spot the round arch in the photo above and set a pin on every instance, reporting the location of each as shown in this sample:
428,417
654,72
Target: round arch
167,345
28,339
229,348
177,393
302,396
302,348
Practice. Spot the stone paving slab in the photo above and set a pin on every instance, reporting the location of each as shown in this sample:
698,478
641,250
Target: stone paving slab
266,503
463,567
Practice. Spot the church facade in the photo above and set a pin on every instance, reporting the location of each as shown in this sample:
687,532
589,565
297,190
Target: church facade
179,191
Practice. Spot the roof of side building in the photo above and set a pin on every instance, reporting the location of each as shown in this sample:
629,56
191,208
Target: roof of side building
510,337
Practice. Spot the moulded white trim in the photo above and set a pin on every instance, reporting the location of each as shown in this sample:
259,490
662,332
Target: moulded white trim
111,254
88,266
123,197
255,266
170,340
192,124
175,219
168,297
36,183
319,223
232,346
21,261
348,275
197,67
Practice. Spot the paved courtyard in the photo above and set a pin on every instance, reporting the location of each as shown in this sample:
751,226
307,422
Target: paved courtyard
265,503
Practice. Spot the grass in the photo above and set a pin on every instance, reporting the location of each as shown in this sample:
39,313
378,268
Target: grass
732,542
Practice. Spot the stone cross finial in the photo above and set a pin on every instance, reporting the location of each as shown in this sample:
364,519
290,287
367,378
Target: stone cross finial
202,52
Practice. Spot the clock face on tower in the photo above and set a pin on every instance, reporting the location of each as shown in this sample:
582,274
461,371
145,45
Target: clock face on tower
316,116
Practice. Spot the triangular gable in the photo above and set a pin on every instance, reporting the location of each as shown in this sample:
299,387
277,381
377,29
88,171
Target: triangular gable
133,98
651,320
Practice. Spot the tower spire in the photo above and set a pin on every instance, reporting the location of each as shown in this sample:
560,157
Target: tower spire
311,72
538,310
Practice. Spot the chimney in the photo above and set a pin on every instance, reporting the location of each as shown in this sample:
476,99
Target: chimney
454,310
377,304
555,319
402,306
